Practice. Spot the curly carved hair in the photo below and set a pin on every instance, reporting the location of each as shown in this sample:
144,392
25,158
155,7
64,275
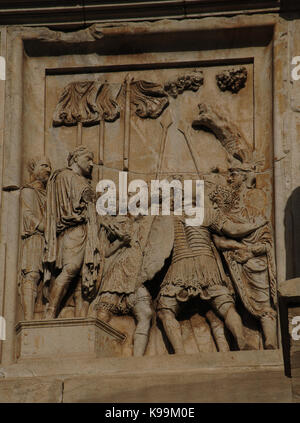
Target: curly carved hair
31,164
76,153
224,198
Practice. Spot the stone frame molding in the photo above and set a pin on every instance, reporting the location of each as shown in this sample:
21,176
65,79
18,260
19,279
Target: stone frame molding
23,41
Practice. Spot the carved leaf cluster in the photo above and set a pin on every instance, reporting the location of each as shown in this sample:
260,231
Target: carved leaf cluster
190,81
232,80
226,132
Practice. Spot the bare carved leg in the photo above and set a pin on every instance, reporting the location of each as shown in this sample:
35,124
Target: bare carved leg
143,314
172,329
39,306
269,326
84,308
235,325
29,293
78,299
59,289
217,327
81,305
104,314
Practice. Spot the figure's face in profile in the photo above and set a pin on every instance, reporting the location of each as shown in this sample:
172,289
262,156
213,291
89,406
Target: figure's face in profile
217,199
42,170
235,179
85,163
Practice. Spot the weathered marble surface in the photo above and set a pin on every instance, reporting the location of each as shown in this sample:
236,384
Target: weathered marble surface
67,338
152,379
264,114
140,121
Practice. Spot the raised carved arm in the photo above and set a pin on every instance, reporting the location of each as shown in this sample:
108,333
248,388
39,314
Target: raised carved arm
239,230
224,244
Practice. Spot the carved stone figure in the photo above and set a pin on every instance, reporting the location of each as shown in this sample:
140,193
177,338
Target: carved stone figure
111,265
251,262
196,271
122,291
72,243
33,200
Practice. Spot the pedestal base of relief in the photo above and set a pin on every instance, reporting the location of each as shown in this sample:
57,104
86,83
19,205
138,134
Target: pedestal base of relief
233,376
68,337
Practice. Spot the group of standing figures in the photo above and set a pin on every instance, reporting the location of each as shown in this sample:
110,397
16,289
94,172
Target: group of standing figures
67,250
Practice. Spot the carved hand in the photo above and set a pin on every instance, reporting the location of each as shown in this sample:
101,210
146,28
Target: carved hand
88,196
260,221
41,227
126,239
241,256
258,250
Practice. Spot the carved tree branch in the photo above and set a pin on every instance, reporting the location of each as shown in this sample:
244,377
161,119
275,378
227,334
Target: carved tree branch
227,133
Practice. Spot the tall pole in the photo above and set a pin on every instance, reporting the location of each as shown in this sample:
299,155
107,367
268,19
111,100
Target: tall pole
79,134
126,144
183,129
165,122
101,147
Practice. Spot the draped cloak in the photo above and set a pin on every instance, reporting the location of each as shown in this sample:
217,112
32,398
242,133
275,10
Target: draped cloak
71,230
255,280
33,199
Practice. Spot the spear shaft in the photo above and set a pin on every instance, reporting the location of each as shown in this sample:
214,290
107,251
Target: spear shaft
126,144
165,122
182,129
101,148
79,134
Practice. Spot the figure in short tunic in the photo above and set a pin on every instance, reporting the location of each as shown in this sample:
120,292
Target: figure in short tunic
122,290
196,268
